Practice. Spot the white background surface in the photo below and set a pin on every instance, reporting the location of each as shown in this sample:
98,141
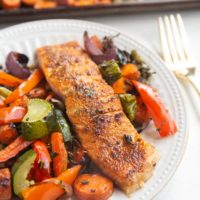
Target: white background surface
185,184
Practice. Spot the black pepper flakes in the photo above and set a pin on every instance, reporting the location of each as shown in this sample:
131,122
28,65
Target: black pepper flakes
128,139
84,182
92,190
113,155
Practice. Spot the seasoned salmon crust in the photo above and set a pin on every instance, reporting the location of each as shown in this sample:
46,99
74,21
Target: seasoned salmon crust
97,116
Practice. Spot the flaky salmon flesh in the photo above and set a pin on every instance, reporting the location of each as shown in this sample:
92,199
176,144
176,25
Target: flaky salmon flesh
97,116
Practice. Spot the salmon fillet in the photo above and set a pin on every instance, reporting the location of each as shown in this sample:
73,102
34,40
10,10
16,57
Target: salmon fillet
97,116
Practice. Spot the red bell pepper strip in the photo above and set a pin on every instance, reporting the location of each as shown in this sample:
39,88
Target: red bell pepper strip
26,86
42,167
15,112
161,118
9,80
13,149
12,114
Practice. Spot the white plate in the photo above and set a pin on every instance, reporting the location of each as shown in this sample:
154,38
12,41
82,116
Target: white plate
27,37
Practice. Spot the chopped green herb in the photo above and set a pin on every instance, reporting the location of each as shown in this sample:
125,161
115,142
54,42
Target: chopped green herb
41,164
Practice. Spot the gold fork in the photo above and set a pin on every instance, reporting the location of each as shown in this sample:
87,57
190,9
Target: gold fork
176,51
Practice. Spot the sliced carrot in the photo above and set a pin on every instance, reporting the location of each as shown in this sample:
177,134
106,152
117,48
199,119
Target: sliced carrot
26,86
9,80
11,4
7,134
51,191
93,187
130,71
13,149
29,2
119,86
61,157
95,39
45,4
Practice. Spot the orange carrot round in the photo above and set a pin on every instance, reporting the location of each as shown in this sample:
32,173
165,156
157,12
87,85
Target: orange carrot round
93,187
60,154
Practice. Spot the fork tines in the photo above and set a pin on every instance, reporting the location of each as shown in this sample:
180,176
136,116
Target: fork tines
174,42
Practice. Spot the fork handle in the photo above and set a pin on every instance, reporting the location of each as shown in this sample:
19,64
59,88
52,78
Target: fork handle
194,82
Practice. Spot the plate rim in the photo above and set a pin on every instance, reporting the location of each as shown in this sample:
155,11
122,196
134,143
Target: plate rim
28,25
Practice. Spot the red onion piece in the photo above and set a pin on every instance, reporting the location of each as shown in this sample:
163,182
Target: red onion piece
16,65
96,54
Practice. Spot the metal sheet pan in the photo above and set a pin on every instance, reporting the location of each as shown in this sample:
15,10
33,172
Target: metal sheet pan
26,14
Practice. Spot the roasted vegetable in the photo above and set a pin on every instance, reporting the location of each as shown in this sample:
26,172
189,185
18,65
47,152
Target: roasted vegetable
130,71
9,80
100,55
129,105
13,149
20,171
110,71
93,187
11,4
2,104
39,121
60,160
42,165
5,184
51,191
4,91
123,57
136,57
26,86
7,133
13,113
157,111
16,64
62,126
119,86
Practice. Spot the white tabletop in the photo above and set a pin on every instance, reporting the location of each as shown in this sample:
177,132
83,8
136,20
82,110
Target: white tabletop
185,183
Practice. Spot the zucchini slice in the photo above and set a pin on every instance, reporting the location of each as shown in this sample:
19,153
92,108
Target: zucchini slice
62,126
39,121
20,171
